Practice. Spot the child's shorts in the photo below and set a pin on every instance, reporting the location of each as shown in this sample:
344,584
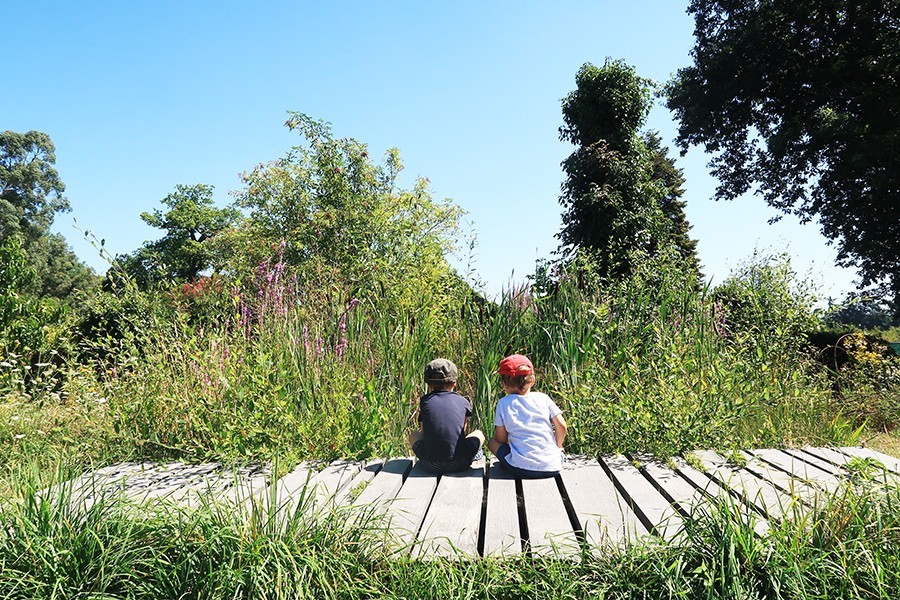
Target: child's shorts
503,452
468,450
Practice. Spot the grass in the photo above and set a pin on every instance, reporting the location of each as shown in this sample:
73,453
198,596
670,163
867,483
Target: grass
636,367
849,547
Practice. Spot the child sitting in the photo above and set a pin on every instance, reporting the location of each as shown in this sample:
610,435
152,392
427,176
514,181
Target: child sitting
441,444
529,428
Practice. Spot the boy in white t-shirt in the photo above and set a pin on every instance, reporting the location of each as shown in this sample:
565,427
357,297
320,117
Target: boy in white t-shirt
529,428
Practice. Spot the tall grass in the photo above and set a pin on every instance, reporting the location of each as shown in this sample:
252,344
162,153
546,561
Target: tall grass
314,371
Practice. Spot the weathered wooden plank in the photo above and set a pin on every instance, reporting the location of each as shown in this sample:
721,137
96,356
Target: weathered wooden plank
721,496
786,482
384,486
407,511
761,494
889,462
172,481
805,472
549,528
501,526
651,507
313,484
604,516
806,454
451,525
349,492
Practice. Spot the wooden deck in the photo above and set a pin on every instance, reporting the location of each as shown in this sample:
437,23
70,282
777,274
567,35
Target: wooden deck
593,504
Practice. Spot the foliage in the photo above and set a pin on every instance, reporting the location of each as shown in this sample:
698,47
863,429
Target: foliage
31,192
800,100
191,222
35,333
338,216
645,365
767,310
622,193
30,196
869,382
862,311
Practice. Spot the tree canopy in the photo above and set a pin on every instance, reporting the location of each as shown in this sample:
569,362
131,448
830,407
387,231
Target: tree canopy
31,194
333,210
622,194
799,100
185,251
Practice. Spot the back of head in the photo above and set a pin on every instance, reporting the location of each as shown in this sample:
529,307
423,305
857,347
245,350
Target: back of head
441,374
517,373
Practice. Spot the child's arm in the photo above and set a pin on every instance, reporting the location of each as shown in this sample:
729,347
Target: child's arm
501,435
559,429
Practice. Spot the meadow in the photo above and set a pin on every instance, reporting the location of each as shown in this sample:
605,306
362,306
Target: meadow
280,369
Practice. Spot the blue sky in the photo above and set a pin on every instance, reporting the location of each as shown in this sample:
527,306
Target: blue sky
141,96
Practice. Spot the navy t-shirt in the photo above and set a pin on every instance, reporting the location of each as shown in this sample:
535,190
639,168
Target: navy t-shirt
443,417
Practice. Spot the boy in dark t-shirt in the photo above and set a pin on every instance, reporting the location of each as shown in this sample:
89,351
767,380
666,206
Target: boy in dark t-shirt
441,444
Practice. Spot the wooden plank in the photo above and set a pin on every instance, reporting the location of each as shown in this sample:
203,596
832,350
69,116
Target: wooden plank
786,482
889,462
313,484
721,496
382,489
761,494
348,493
822,463
549,528
805,472
651,507
407,511
604,516
451,526
501,526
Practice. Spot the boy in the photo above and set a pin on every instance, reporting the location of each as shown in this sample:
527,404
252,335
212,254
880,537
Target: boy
529,428
442,445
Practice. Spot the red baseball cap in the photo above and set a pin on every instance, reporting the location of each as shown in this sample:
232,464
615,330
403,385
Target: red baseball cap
516,364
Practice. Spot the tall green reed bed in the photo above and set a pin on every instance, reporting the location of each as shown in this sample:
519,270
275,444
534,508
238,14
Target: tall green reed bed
848,547
642,366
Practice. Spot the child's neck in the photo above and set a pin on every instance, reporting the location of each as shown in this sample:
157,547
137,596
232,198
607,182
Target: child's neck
518,392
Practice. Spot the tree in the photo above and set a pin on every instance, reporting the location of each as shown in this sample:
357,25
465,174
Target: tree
333,210
664,171
622,194
31,193
799,100
191,223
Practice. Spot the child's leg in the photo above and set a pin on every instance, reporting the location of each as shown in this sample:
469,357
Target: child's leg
414,436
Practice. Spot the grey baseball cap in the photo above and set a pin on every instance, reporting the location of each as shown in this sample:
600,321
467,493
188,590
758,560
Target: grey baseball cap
441,370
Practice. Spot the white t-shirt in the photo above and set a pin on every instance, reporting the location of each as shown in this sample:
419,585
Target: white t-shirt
527,419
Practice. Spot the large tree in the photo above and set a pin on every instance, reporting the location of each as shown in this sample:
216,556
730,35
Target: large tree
799,100
186,250
622,194
333,210
31,194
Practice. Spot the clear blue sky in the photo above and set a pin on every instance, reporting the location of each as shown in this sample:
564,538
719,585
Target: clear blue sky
141,96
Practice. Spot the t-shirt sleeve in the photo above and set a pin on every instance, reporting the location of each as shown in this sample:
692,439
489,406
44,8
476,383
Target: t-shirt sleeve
468,408
554,409
498,417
